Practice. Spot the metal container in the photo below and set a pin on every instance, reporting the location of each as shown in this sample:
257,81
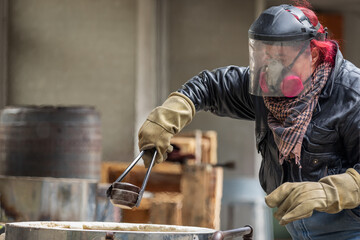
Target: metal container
37,198
49,141
102,231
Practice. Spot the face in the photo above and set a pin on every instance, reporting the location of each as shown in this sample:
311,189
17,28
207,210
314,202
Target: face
279,68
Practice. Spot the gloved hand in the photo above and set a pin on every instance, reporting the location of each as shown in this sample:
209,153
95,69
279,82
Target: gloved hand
331,194
162,124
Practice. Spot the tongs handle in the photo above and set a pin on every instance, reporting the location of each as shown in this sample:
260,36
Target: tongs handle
127,170
142,190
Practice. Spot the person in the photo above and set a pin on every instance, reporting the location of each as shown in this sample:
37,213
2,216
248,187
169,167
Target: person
305,100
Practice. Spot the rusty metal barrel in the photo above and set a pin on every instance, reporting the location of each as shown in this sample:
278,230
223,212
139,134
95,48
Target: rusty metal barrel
50,141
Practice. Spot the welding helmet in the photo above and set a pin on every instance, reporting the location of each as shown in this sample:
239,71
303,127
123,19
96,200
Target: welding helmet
280,56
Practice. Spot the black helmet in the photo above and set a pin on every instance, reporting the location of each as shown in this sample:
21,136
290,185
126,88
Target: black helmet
284,23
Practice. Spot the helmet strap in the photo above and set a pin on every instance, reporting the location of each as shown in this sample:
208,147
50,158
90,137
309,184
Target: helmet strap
288,68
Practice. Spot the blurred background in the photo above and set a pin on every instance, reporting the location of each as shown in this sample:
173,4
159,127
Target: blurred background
124,57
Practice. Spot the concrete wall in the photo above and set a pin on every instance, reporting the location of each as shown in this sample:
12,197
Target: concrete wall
65,52
352,36
103,53
205,35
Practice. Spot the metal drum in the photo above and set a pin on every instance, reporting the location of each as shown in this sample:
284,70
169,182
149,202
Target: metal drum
44,199
102,230
48,141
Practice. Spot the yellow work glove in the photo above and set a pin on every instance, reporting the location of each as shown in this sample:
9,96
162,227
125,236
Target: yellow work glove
331,195
162,124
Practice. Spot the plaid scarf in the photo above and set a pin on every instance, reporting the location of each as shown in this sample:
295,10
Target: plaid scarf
289,117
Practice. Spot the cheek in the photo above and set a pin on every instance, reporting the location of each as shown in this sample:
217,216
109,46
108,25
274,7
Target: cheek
302,69
297,70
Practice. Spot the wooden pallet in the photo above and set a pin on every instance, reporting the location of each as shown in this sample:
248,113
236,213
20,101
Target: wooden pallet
203,145
169,173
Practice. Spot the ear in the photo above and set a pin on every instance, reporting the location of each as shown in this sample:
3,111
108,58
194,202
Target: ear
314,56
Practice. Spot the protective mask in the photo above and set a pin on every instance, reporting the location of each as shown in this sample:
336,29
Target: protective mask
276,76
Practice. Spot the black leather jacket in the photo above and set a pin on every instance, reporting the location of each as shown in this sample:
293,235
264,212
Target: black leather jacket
332,140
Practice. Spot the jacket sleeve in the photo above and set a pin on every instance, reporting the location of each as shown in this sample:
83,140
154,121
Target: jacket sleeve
352,138
223,91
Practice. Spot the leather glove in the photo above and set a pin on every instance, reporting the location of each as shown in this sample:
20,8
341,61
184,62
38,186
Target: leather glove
162,124
331,195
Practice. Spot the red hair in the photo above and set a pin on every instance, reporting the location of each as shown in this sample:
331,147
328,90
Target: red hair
326,49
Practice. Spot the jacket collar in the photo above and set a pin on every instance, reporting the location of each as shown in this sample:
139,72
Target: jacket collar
328,88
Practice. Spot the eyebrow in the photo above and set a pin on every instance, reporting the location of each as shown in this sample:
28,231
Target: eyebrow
277,55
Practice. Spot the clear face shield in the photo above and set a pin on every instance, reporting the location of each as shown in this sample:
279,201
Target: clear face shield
279,69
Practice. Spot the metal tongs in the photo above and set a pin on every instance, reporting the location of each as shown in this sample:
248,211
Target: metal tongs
126,195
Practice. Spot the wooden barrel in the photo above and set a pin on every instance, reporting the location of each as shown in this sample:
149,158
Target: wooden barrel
50,141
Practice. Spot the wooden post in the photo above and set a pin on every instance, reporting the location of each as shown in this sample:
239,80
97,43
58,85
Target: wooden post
201,186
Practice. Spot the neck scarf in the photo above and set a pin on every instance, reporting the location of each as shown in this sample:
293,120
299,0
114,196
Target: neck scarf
289,118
